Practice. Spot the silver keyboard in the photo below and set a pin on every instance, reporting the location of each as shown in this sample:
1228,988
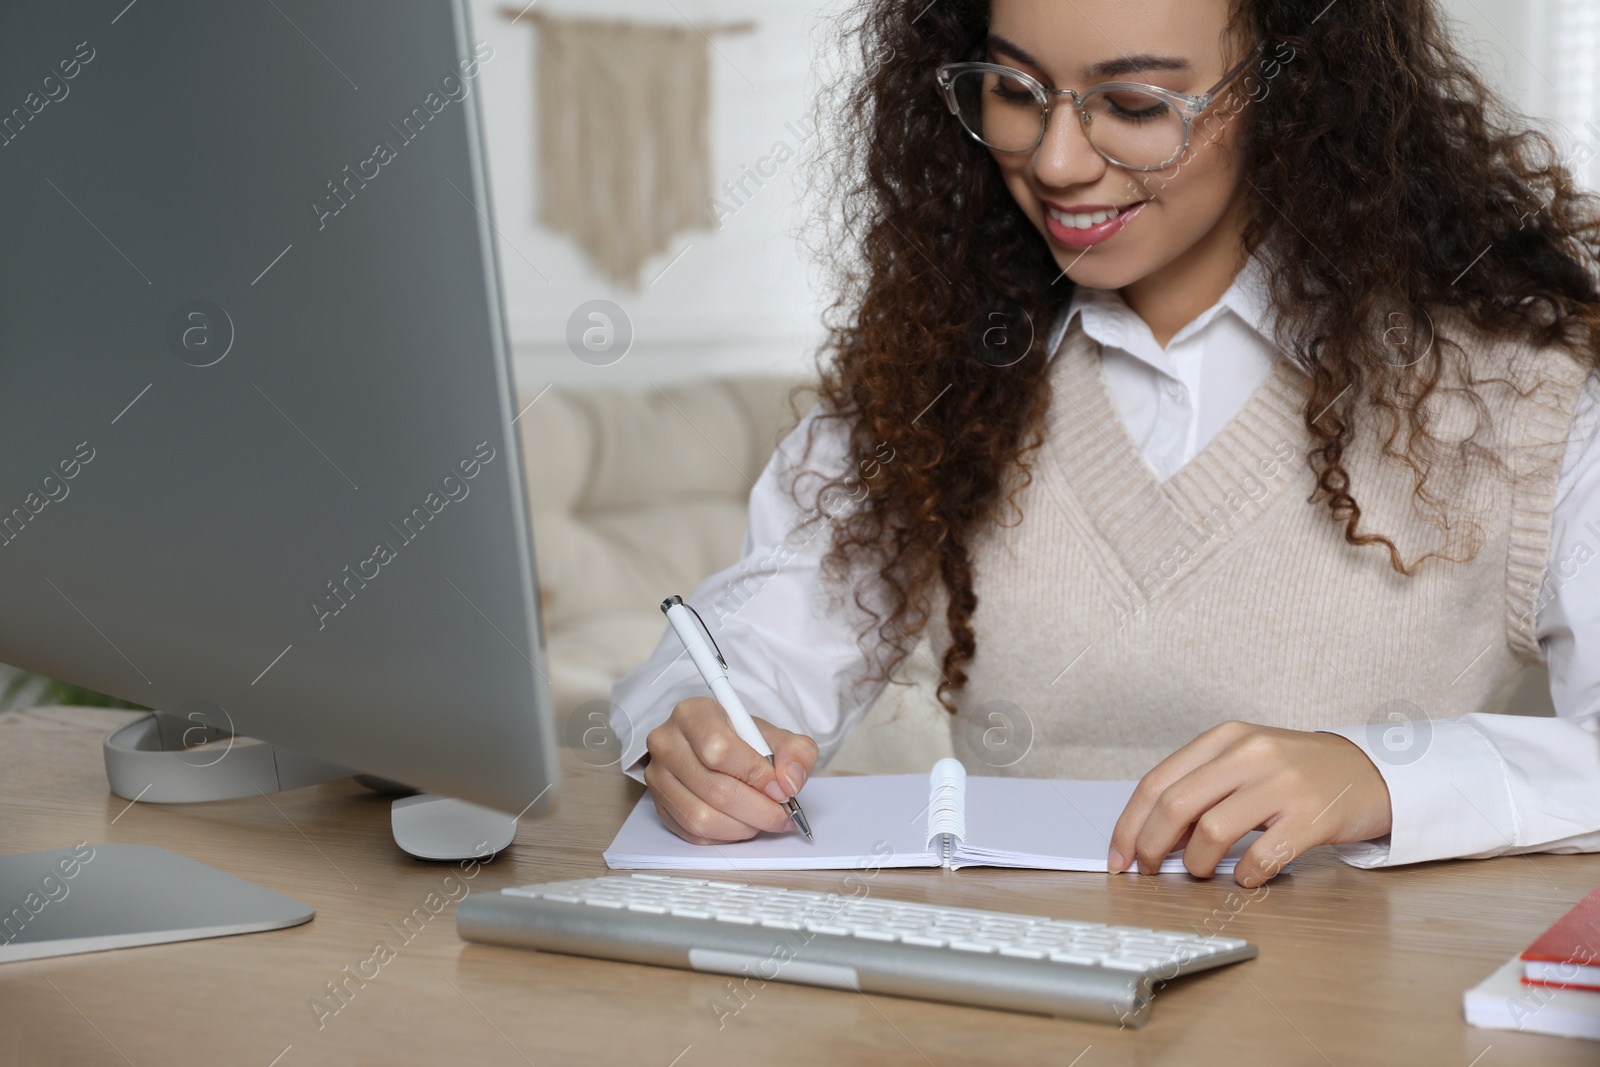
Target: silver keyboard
758,934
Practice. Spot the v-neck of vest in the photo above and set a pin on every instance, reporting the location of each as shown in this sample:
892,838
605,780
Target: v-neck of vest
1142,519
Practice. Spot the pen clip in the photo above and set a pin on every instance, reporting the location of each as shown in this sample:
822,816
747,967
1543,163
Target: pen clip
675,599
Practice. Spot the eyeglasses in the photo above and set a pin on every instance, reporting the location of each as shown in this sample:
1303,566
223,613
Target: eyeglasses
1137,126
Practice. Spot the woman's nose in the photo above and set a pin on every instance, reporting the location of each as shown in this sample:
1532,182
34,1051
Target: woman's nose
1065,156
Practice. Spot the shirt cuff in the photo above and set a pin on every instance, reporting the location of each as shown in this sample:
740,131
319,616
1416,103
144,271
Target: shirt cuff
1449,793
632,726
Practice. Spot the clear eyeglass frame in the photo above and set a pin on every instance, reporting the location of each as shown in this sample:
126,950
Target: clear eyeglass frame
1189,107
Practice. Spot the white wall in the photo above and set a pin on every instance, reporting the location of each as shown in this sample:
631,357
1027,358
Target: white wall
1497,34
1543,56
741,299
737,299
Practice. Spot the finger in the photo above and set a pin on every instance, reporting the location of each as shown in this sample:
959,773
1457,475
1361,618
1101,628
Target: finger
723,792
665,815
794,755
1220,827
687,815
1266,858
717,746
1179,807
1130,824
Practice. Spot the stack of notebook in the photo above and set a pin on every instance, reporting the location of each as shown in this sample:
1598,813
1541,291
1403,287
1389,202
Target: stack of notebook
1553,987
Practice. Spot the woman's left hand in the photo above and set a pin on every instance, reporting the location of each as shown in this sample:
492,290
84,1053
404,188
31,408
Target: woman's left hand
1301,789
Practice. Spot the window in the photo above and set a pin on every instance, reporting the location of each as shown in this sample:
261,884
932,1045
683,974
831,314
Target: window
1572,43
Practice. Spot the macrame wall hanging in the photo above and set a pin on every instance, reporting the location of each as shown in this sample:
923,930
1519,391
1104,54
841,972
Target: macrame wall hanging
622,144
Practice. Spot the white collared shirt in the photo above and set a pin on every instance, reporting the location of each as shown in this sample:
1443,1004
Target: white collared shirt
1534,782
1175,400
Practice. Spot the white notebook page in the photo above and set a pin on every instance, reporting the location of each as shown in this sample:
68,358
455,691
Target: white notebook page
1057,825
861,821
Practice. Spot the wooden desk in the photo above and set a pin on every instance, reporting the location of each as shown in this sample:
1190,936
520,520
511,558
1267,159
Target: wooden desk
1356,967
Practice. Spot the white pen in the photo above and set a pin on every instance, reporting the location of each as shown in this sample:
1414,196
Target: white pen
702,648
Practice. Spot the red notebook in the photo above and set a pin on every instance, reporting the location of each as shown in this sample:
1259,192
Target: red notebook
1568,954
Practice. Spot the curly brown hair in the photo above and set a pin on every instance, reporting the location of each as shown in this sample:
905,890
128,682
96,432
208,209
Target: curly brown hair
1374,114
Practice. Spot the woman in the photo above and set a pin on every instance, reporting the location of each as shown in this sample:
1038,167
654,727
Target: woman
1294,483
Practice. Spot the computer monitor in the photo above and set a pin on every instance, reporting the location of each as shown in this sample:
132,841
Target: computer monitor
259,465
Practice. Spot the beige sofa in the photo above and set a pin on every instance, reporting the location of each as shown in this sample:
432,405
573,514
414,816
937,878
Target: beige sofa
636,494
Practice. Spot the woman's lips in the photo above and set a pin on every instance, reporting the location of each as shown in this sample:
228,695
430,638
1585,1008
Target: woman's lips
1076,238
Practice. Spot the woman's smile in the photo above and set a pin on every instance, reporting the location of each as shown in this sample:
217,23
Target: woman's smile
1083,226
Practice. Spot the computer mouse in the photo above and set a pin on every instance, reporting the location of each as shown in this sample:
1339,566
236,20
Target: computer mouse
432,827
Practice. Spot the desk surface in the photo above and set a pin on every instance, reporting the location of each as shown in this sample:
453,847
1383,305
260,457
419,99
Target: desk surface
1356,967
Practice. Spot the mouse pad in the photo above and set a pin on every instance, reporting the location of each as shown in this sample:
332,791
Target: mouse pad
90,898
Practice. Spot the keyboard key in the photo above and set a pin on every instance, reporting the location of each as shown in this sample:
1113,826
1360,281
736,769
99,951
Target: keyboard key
972,946
524,890
1118,963
924,939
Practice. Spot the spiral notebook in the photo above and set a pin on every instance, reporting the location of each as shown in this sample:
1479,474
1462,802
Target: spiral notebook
940,819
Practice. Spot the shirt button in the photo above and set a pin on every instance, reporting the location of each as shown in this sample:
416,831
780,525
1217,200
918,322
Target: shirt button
1176,390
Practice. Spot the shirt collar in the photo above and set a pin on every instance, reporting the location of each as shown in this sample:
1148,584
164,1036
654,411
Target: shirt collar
1109,320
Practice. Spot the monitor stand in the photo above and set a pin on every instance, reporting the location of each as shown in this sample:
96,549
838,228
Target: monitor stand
164,758
167,758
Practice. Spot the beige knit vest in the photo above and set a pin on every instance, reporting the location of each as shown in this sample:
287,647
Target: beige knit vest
1121,616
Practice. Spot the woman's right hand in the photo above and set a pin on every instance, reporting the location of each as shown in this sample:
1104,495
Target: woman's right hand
711,787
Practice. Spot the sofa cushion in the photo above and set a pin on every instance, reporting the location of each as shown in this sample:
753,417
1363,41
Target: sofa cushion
639,493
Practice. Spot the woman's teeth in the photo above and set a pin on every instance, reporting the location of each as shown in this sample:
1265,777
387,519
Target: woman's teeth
1083,222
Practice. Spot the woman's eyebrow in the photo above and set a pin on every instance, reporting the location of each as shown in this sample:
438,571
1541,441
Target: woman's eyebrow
1106,68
